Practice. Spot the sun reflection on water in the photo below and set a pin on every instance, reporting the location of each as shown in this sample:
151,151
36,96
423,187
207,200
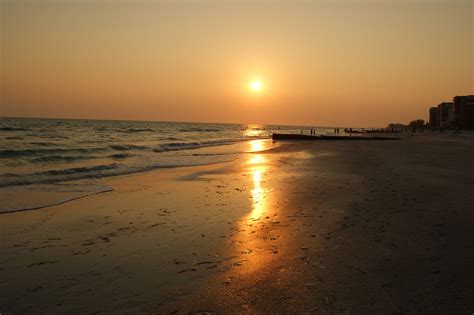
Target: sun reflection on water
254,131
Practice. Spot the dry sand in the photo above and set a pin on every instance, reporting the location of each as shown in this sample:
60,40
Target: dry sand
303,227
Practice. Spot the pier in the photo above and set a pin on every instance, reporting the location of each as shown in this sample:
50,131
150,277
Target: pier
282,136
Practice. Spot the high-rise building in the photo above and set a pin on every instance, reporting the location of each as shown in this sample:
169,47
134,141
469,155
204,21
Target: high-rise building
434,117
444,114
462,115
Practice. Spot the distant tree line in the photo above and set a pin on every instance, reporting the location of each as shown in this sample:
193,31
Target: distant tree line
414,125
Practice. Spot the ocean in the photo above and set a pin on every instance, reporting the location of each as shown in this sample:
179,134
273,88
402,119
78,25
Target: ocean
50,161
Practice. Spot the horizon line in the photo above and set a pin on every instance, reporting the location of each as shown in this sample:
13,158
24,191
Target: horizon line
183,122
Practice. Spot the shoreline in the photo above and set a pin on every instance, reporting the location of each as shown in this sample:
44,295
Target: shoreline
299,227
24,188
55,204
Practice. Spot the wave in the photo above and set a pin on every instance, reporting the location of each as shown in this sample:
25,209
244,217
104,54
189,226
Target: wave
10,175
79,173
12,163
59,175
169,138
47,136
61,158
44,144
75,170
120,156
13,129
34,152
214,154
177,146
199,130
62,175
136,130
126,147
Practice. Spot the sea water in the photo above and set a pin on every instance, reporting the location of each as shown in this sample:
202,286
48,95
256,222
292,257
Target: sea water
50,161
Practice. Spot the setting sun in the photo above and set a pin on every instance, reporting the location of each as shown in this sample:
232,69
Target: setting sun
256,85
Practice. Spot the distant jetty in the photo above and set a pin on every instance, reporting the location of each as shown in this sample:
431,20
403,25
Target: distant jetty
283,136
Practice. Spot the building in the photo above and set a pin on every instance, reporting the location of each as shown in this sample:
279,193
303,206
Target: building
462,115
434,117
444,114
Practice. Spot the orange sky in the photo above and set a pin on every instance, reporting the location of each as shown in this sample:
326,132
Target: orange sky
325,63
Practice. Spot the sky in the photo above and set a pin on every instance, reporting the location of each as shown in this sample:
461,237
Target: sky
321,63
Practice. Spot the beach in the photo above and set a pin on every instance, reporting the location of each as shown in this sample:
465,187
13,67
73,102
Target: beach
286,227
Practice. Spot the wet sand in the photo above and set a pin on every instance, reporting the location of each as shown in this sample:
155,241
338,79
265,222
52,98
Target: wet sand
346,227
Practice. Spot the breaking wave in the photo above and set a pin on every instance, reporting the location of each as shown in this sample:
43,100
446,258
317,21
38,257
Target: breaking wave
75,170
177,146
125,147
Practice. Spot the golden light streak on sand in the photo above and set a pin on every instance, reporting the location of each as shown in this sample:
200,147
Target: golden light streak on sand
257,170
258,193
256,145
256,160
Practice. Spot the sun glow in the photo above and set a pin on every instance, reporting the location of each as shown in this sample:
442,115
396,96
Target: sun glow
256,85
